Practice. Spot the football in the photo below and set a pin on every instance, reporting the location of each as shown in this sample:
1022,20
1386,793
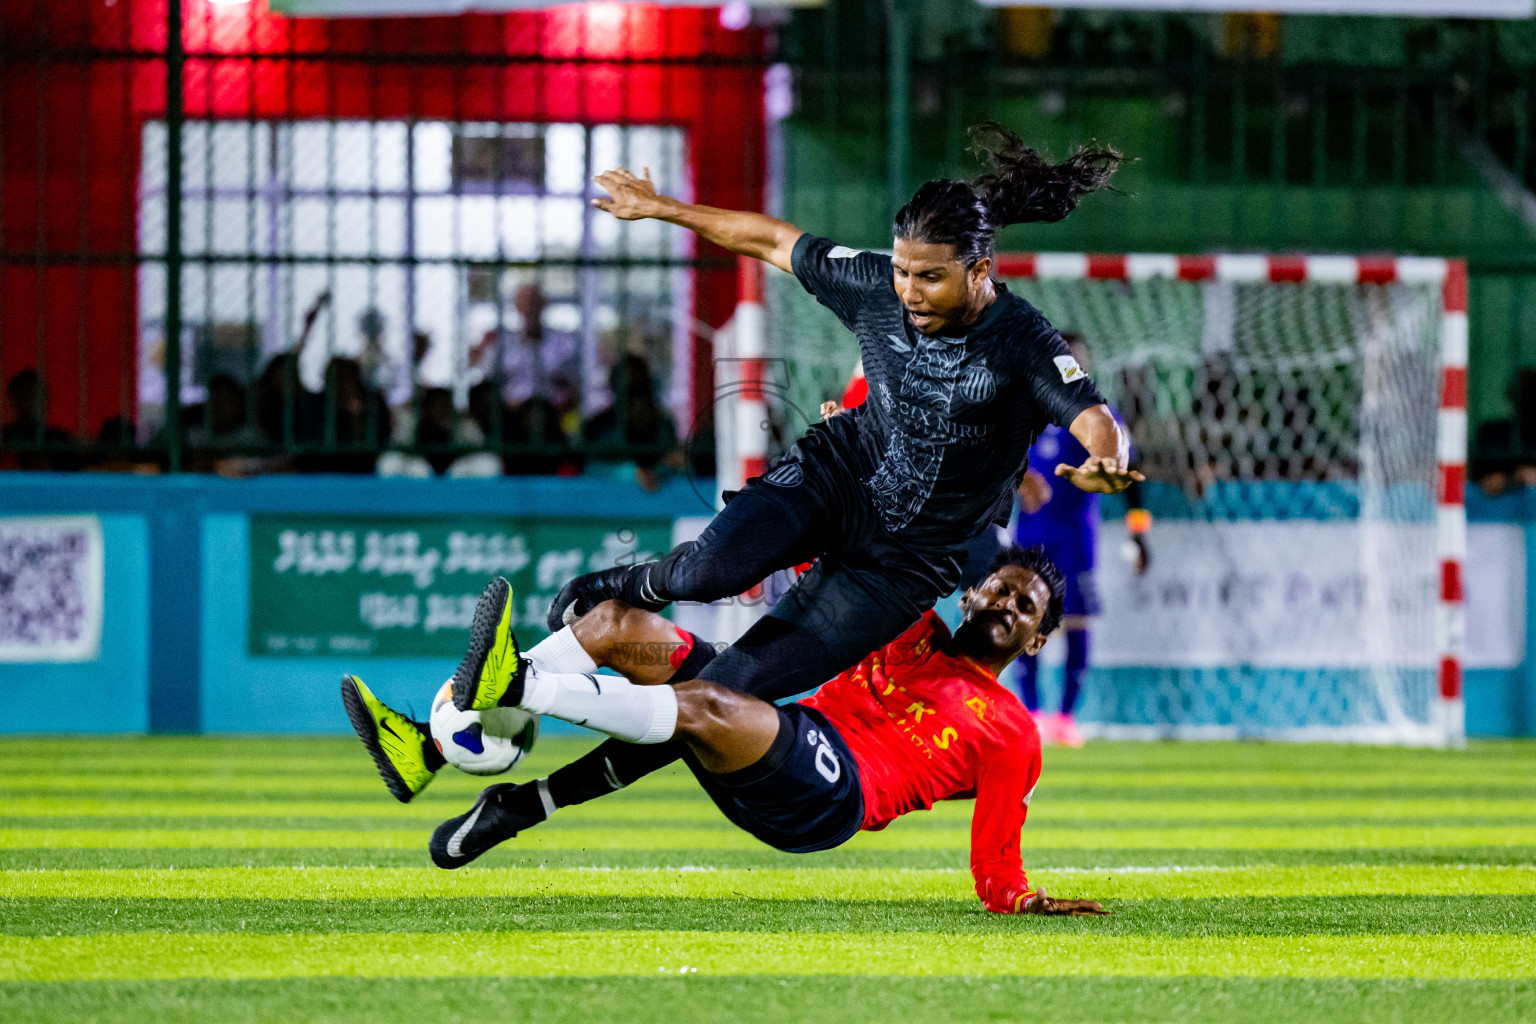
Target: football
481,742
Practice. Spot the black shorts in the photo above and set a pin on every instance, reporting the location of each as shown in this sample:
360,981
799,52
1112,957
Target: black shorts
801,796
866,587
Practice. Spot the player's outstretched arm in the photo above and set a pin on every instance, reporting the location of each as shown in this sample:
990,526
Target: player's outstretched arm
1107,470
750,234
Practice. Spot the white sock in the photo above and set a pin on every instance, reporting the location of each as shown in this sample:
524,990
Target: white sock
560,652
639,714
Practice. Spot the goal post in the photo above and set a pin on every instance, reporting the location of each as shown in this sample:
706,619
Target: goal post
1302,421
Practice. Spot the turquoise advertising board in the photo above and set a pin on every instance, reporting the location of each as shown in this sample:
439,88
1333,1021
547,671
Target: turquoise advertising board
403,586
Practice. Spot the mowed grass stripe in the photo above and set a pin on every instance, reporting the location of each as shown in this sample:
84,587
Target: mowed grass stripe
725,838
706,817
1235,917
352,779
213,751
807,883
673,999
628,808
512,854
148,955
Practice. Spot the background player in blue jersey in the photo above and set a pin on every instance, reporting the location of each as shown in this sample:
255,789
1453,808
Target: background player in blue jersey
1064,520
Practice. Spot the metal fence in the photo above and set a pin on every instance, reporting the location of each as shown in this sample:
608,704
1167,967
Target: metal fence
1245,133
241,242
373,241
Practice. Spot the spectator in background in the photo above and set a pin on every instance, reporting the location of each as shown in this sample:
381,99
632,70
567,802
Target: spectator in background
354,422
225,442
27,399
286,414
535,425
635,421
403,413
1504,453
535,361
378,369
226,423
442,434
117,450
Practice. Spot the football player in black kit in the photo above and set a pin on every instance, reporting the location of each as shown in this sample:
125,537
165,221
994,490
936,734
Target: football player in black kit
884,498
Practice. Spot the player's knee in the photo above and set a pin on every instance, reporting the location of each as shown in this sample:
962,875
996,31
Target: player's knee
703,708
600,628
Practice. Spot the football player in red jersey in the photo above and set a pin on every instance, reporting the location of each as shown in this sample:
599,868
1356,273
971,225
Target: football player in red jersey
920,720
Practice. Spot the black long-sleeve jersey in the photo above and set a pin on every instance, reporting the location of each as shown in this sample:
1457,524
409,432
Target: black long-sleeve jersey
944,436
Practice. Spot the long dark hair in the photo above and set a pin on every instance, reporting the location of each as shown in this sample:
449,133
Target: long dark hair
1019,186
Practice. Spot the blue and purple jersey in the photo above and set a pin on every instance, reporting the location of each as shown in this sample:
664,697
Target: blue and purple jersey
1065,524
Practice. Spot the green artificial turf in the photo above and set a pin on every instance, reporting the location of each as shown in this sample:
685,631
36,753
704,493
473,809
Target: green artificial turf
193,879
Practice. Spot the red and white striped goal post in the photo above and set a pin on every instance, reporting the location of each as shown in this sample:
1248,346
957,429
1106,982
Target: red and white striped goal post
1450,276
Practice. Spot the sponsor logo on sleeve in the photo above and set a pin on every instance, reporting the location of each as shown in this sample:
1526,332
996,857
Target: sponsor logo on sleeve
785,474
842,252
1070,371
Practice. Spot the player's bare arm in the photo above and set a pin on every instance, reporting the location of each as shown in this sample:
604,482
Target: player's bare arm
758,235
1107,470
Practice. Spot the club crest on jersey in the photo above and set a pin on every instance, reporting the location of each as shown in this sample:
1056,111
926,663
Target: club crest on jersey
785,474
978,385
1070,371
842,252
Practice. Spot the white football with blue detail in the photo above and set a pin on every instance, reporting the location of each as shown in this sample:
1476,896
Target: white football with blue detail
481,742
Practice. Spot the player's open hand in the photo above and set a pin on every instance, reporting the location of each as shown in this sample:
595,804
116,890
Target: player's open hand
1049,906
629,197
1101,475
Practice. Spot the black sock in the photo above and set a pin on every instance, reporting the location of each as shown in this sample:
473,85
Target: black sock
610,766
434,757
525,802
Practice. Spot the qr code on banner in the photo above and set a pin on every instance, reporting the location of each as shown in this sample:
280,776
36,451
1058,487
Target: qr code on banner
50,588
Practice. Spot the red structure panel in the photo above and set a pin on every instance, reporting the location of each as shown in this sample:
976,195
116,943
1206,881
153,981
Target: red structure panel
78,79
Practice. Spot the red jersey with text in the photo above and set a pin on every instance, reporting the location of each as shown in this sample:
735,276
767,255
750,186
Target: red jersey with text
926,723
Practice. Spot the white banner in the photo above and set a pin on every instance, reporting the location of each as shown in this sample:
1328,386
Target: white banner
1297,595
1495,574
50,588
1383,8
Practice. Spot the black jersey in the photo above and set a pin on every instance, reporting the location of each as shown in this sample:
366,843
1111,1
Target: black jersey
943,438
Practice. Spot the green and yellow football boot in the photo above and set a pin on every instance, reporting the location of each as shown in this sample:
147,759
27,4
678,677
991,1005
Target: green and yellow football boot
491,674
402,749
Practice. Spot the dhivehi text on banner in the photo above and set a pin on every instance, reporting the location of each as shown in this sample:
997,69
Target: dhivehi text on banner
50,588
406,586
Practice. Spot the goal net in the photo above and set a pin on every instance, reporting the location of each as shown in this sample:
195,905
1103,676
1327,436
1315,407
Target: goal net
1301,422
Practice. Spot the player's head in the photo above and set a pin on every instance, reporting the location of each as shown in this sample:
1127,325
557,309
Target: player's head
1015,608
945,234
